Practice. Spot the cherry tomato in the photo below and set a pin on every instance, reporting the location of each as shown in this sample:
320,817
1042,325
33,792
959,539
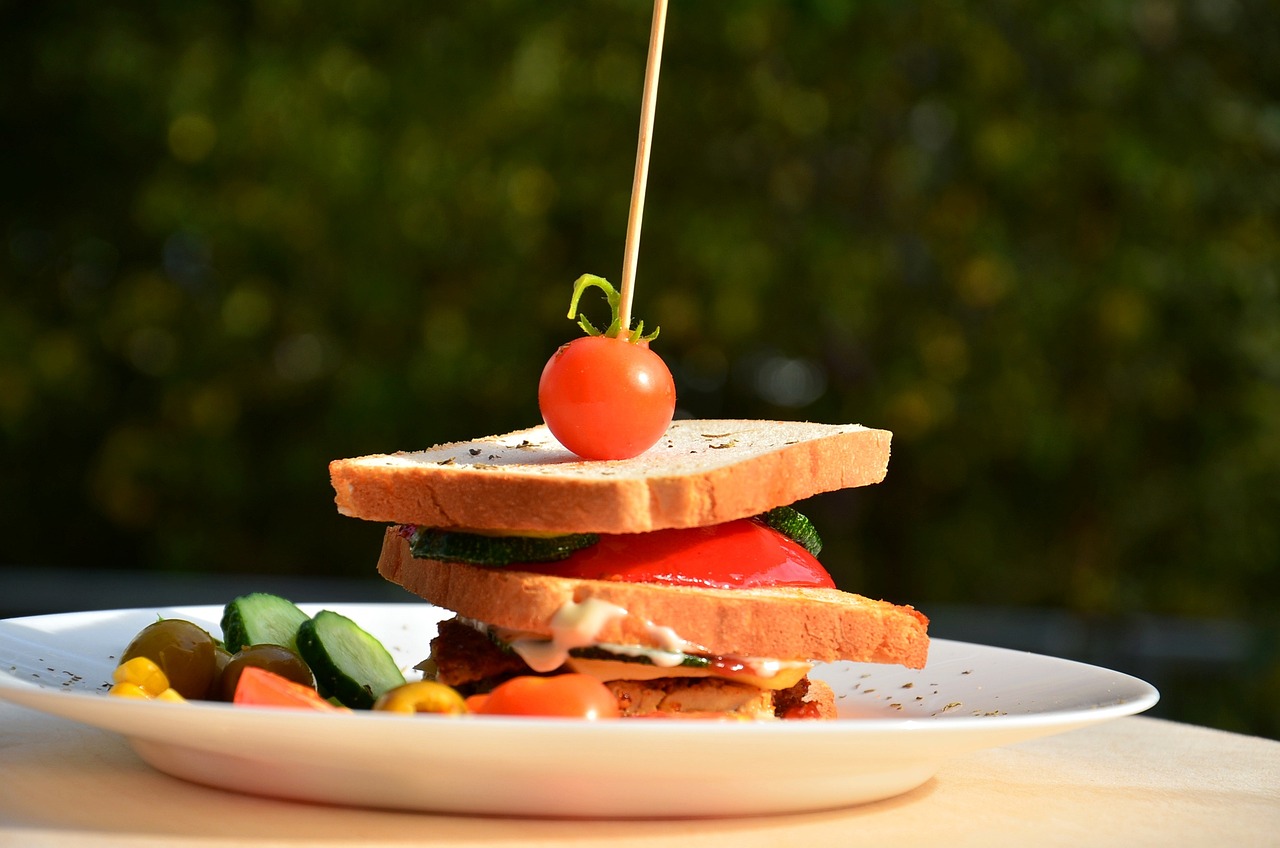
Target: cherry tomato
606,398
564,695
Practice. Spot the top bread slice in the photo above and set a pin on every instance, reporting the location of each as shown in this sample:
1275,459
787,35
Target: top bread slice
701,472
783,622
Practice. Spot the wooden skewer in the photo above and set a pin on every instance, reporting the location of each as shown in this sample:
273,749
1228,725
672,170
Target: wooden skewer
648,104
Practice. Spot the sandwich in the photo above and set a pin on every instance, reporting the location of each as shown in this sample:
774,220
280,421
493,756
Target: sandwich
682,578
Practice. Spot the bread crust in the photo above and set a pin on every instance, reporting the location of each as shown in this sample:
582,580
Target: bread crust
702,472
787,623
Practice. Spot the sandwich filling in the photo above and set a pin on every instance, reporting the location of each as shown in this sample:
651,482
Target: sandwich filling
472,657
676,677
743,554
778,548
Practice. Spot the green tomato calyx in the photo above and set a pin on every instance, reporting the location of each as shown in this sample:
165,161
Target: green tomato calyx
614,330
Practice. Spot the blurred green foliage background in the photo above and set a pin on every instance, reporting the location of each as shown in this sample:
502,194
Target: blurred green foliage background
1039,242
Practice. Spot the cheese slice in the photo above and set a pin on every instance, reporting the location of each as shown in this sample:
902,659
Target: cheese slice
784,676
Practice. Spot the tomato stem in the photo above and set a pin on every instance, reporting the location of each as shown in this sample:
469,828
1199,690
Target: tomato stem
614,330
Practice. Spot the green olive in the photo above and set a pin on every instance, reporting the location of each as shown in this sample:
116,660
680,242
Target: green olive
423,696
274,658
221,656
185,653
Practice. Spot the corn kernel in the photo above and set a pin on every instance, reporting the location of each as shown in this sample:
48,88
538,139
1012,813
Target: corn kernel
144,673
125,689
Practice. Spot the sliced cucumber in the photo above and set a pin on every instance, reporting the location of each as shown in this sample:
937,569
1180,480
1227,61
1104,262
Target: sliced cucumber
261,619
790,523
476,549
349,664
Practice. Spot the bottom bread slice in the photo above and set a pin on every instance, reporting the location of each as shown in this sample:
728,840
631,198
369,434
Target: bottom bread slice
708,697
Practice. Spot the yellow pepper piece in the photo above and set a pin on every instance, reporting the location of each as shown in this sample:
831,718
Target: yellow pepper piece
171,695
144,672
424,696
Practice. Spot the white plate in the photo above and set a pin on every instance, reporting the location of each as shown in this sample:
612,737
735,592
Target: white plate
897,727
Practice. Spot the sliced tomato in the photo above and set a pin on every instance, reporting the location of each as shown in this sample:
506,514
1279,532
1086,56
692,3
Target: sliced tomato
565,695
258,687
741,554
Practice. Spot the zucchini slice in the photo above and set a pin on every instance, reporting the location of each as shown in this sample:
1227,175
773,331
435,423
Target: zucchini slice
477,549
797,527
637,655
349,664
261,619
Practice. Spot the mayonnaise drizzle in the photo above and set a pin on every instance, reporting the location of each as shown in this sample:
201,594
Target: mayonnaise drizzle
575,625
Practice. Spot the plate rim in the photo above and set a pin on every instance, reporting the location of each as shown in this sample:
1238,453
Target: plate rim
816,764
1144,694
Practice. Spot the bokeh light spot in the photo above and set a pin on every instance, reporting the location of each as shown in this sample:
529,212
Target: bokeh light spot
192,137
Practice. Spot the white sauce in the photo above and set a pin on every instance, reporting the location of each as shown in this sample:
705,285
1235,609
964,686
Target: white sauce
665,659
670,640
574,625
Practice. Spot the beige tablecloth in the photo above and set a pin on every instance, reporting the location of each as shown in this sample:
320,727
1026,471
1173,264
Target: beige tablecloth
1132,782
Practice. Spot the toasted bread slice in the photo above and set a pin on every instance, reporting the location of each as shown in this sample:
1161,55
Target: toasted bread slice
700,473
786,623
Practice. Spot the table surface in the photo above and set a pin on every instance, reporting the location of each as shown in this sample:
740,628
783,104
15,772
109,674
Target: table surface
1135,781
